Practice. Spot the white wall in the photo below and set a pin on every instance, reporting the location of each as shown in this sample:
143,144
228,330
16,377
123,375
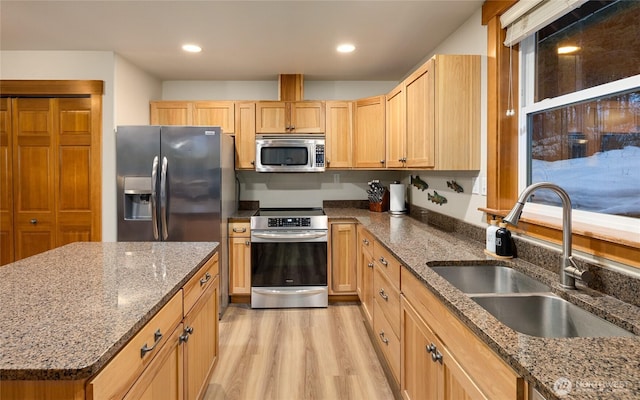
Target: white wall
470,38
80,65
133,90
219,90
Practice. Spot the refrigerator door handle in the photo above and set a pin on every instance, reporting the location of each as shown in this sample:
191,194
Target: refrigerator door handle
154,202
163,198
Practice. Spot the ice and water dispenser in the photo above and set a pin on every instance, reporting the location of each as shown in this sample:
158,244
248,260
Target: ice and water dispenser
137,198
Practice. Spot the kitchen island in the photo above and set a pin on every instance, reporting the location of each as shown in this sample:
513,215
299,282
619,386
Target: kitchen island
596,367
68,312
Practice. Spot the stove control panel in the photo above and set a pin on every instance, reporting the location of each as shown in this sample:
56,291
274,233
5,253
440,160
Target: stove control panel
289,222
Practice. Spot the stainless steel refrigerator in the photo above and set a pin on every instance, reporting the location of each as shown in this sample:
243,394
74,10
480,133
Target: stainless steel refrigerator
176,183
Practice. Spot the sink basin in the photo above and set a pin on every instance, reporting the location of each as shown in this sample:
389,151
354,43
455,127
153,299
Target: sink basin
546,315
489,279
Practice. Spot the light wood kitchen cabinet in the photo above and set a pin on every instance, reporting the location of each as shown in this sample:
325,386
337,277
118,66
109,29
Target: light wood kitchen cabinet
442,358
395,118
239,259
369,141
366,263
339,134
171,113
203,113
343,260
290,117
164,377
245,135
51,191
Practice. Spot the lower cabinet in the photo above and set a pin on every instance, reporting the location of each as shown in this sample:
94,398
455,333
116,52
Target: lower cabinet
173,355
442,358
365,265
343,258
239,260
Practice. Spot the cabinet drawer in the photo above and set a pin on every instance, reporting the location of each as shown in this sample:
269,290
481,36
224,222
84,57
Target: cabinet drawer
388,342
239,229
390,265
365,239
200,282
119,374
387,300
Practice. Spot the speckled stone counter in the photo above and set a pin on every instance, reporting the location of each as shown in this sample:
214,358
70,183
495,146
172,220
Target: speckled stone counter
598,368
65,313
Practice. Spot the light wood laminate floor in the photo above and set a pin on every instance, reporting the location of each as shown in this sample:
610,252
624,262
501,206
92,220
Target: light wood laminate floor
296,354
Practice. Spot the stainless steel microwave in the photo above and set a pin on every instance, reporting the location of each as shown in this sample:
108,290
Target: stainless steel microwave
290,153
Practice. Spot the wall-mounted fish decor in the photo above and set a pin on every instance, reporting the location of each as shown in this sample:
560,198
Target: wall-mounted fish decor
419,183
436,198
454,185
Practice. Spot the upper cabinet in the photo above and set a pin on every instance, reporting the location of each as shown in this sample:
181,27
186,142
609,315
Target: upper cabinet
290,117
204,113
339,134
396,127
245,143
369,146
442,109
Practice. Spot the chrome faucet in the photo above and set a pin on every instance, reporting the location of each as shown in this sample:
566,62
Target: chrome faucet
568,269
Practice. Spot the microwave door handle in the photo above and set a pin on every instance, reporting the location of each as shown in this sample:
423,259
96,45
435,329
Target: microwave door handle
154,201
163,198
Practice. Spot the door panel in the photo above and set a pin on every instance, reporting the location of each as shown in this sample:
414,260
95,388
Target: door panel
6,184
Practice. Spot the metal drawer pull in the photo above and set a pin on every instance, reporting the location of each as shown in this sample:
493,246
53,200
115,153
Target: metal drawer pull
436,357
365,241
239,230
184,338
383,338
383,294
206,278
370,265
431,348
33,221
247,242
157,337
383,261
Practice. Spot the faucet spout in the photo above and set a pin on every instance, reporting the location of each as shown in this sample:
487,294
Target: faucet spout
568,270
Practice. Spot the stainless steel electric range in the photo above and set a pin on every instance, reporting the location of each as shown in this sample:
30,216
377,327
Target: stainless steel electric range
289,258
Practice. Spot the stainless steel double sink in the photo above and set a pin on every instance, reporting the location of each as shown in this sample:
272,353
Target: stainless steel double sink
525,304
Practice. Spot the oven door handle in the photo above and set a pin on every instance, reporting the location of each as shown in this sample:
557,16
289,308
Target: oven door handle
289,236
287,292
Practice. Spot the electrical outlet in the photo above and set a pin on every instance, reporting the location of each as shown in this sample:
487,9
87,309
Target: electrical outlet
483,185
475,189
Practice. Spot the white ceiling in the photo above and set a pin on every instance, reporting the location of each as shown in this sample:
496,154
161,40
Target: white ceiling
241,40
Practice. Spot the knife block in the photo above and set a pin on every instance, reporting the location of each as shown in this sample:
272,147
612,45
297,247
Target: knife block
380,206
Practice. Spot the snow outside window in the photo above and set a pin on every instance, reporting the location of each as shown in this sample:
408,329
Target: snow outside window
580,119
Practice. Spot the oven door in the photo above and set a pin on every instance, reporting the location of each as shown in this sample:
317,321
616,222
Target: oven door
289,269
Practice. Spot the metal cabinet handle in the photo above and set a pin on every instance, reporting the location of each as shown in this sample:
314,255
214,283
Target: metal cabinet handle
365,241
184,338
253,162
247,243
381,161
383,338
383,295
383,261
436,357
370,265
431,348
206,278
189,330
33,221
157,336
240,230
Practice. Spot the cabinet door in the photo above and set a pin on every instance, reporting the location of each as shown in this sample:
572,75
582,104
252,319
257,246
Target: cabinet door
339,134
215,113
6,184
245,128
364,280
201,346
171,113
419,374
306,117
343,258
163,377
369,146
271,117
420,118
396,127
34,170
240,264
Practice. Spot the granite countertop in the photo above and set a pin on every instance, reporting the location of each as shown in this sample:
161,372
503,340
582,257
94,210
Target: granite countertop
597,368
67,312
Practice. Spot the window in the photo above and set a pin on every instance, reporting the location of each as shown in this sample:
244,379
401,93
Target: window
580,119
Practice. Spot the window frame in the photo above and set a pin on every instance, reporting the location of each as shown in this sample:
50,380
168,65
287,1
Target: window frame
503,135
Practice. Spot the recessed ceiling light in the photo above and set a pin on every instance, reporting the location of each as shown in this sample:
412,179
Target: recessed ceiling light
346,48
192,48
568,49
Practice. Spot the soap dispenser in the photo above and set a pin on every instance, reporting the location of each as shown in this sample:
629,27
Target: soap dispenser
503,241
